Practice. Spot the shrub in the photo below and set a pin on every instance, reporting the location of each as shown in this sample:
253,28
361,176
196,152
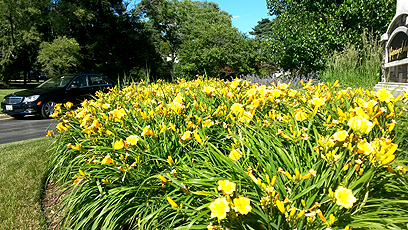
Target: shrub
214,154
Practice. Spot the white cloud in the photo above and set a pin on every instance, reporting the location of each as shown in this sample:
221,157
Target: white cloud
235,16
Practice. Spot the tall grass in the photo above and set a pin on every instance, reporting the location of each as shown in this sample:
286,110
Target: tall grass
355,66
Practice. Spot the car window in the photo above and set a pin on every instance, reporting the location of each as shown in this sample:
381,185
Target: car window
98,80
60,81
79,82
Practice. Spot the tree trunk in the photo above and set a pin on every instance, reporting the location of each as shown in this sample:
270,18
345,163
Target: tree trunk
10,18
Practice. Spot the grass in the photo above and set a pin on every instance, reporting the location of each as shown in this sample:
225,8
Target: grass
22,173
355,67
5,92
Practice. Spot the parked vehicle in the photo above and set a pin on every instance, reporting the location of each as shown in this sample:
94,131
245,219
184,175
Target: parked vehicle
37,76
42,99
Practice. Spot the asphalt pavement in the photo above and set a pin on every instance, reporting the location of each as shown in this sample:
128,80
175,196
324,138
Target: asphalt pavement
29,127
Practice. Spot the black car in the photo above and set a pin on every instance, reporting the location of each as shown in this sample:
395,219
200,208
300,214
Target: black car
37,76
42,99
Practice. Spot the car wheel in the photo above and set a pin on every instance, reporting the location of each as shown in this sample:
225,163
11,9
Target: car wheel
18,116
47,109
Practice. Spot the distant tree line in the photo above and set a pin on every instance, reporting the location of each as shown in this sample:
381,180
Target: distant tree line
303,33
170,38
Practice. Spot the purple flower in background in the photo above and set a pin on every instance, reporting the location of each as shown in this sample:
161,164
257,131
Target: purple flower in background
282,77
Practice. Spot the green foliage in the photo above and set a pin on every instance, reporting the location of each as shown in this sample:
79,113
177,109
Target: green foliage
59,57
307,31
356,67
262,29
197,37
19,36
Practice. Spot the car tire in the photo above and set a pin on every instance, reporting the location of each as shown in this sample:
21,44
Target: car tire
47,109
18,116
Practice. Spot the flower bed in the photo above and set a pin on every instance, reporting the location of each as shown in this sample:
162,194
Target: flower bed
215,154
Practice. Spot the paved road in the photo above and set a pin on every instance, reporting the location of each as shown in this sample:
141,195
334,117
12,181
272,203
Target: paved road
29,127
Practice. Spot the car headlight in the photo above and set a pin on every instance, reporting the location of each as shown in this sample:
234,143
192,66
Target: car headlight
31,98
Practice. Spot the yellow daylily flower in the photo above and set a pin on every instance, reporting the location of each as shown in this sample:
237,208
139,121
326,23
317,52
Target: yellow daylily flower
235,155
107,160
68,105
132,139
106,106
119,144
344,197
219,208
226,186
300,115
208,123
364,147
186,136
340,135
360,124
236,108
242,205
209,90
50,133
317,102
384,95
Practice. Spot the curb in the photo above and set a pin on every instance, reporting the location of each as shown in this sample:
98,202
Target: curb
4,116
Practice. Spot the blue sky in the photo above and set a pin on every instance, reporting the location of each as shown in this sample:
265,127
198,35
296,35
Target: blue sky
245,13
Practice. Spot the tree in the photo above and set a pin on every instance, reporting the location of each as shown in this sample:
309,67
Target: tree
263,29
306,31
19,36
59,57
197,37
110,36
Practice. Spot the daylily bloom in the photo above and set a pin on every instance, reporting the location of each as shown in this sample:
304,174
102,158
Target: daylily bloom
340,135
132,139
107,159
219,208
384,95
68,105
300,115
360,125
235,155
119,144
236,108
317,102
186,136
208,123
344,197
226,186
209,90
242,205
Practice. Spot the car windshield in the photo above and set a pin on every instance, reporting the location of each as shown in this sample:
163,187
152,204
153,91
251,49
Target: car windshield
57,82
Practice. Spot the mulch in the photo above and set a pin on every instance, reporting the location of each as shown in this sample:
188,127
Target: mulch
51,205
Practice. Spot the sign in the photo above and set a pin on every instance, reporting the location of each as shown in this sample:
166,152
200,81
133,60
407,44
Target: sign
398,47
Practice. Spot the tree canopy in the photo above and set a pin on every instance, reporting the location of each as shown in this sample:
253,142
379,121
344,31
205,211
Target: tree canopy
306,31
168,38
197,37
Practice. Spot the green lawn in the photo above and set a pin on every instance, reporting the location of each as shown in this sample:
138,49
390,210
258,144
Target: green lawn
22,173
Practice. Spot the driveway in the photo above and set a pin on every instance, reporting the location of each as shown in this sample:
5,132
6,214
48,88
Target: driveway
29,127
